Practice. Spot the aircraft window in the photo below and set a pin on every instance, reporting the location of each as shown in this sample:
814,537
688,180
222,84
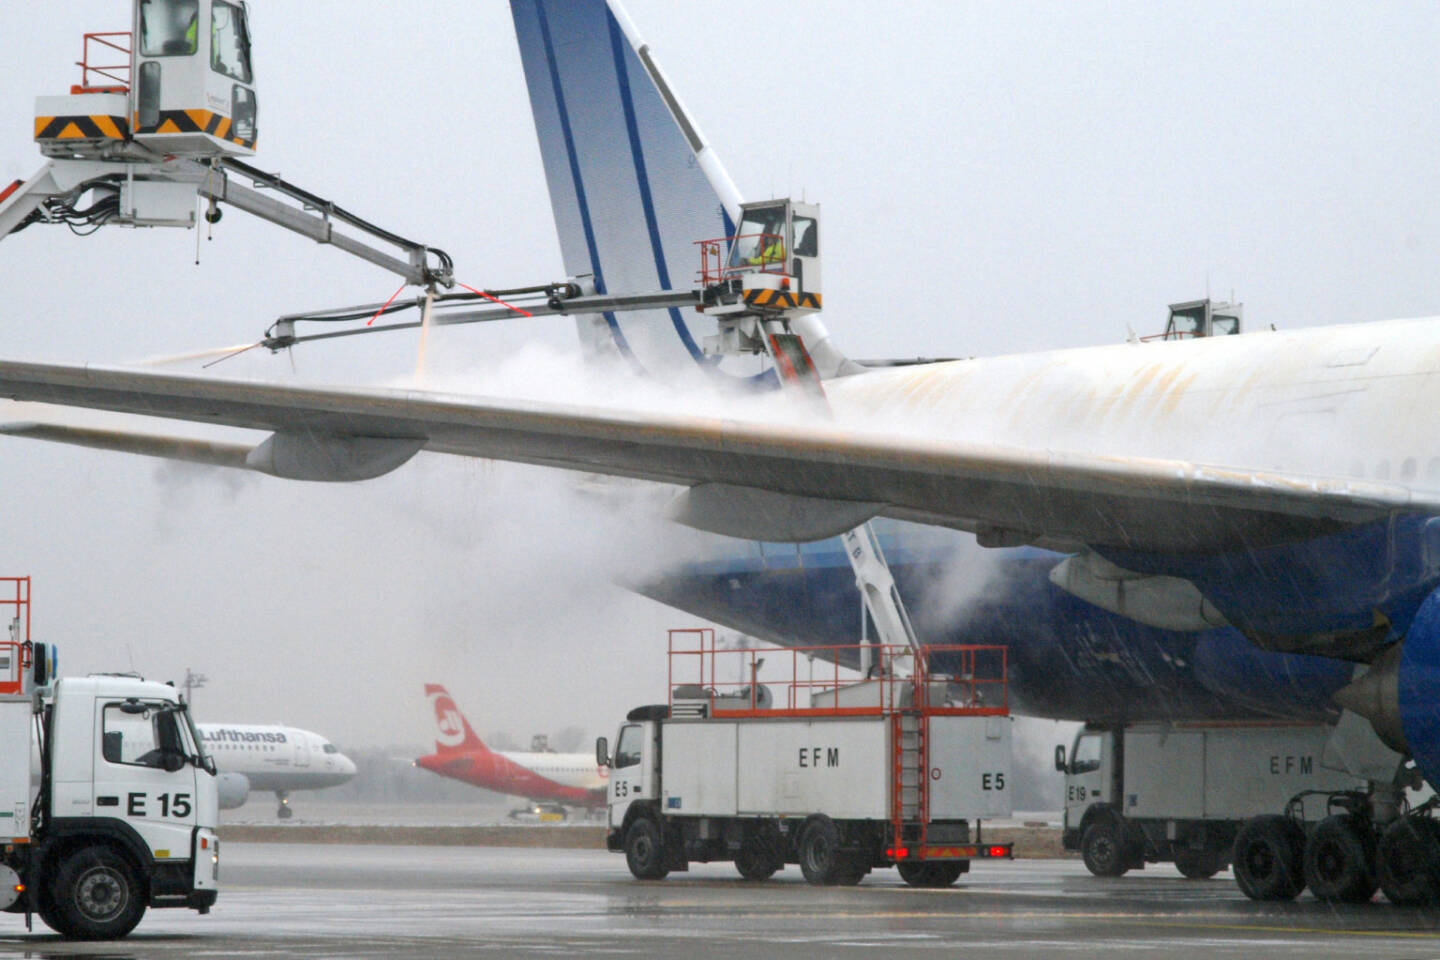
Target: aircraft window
330,748
168,28
229,41
142,739
1224,326
627,751
807,237
1087,754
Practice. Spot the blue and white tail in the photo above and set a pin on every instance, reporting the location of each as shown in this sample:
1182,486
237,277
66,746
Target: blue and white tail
633,182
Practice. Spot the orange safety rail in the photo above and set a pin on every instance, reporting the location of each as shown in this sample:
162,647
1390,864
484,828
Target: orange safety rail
974,676
15,651
714,258
118,73
1168,335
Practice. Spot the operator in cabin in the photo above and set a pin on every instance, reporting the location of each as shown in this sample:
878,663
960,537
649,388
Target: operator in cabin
169,27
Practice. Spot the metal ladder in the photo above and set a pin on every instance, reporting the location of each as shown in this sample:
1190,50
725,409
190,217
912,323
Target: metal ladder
910,787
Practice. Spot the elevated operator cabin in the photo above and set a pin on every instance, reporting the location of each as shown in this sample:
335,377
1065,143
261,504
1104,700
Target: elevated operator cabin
187,87
1203,318
780,237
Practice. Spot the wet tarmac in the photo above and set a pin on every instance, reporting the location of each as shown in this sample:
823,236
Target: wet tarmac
412,902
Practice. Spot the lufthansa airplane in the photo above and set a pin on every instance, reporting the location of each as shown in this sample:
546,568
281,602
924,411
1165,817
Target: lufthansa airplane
568,779
1276,492
273,759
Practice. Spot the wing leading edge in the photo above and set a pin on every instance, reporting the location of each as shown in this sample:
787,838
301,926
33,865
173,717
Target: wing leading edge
1005,494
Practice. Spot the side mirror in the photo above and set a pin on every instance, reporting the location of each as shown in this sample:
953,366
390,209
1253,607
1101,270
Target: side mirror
133,707
1060,757
602,752
172,762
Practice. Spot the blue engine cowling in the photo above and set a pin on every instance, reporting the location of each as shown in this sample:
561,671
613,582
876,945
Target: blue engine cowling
1418,689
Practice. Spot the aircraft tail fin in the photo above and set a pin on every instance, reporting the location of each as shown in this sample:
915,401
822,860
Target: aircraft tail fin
633,183
452,730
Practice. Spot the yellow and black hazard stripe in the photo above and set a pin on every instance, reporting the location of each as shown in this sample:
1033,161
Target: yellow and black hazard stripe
86,127
782,299
197,121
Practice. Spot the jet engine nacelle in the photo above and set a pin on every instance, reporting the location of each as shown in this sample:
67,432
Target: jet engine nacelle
1400,694
233,789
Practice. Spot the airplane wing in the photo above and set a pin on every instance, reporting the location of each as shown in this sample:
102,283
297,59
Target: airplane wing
765,473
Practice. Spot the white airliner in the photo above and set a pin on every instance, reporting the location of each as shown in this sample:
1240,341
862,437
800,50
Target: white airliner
274,759
1283,484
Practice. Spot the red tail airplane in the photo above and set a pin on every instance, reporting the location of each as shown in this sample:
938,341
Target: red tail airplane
572,779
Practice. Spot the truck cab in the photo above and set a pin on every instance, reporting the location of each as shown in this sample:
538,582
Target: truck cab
633,767
124,809
108,801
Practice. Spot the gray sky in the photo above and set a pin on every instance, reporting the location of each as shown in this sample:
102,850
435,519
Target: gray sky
995,178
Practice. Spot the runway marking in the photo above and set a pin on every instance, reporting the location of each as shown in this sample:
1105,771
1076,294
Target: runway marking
1135,919
1318,931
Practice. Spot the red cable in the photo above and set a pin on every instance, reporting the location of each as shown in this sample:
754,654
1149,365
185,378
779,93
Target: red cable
502,303
387,305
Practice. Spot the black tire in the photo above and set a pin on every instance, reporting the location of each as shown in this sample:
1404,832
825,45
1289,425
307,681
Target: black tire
645,849
1340,860
284,813
1197,864
948,871
759,855
96,896
45,907
1103,848
821,859
1409,862
935,873
1269,858
850,871
914,874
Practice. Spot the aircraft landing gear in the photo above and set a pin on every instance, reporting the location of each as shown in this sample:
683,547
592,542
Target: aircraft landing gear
1364,844
284,813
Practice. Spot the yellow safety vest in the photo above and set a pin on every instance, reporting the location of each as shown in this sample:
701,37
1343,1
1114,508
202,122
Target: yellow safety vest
771,254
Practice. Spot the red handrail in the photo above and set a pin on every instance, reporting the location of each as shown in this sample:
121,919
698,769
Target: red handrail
121,71
975,678
714,258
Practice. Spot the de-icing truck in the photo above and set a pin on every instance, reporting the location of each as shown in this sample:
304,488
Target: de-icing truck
108,802
895,765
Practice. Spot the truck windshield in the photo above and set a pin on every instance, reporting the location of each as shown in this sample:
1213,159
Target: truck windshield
196,740
627,751
1087,754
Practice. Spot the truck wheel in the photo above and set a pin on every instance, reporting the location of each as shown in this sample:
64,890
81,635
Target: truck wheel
1269,858
820,858
97,896
45,907
759,856
1197,864
1102,846
1340,860
1410,862
645,850
850,872
940,873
